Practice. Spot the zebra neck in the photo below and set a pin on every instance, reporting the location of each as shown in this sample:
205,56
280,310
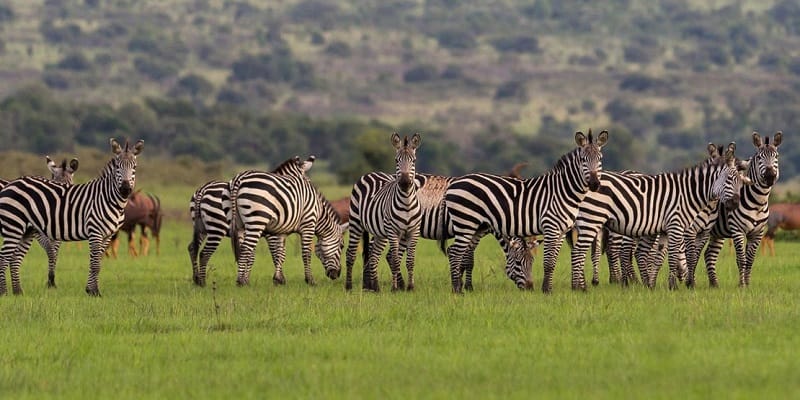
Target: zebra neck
409,197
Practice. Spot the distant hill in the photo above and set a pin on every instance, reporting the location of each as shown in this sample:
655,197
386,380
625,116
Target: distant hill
510,80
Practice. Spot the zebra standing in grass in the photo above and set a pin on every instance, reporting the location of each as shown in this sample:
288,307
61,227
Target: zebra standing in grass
545,205
430,193
57,211
744,224
64,174
265,203
392,213
208,209
646,205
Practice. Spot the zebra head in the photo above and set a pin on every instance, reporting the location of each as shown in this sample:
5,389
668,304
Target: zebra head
728,181
124,166
405,159
64,172
590,157
519,261
330,239
765,162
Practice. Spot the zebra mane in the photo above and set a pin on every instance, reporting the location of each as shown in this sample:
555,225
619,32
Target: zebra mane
563,162
287,164
328,207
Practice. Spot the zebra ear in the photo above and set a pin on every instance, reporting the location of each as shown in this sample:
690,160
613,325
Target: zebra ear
138,147
307,164
415,140
602,138
757,139
745,180
73,165
712,150
776,141
51,165
732,147
115,147
580,139
396,141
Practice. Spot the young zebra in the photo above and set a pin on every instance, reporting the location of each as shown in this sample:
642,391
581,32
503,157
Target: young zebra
645,205
91,211
430,193
64,174
745,222
545,205
264,203
391,213
209,210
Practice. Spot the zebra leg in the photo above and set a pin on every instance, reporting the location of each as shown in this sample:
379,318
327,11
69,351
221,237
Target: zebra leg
51,247
626,261
246,257
193,254
612,255
468,262
693,256
586,236
210,246
411,251
97,247
370,280
710,256
741,258
353,239
677,257
455,255
401,283
396,257
22,249
596,250
277,247
307,240
753,244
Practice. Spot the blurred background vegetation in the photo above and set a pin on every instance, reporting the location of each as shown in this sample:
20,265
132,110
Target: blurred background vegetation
214,85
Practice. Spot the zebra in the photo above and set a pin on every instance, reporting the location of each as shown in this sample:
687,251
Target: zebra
63,173
545,205
208,209
745,222
57,211
644,205
391,213
430,193
264,203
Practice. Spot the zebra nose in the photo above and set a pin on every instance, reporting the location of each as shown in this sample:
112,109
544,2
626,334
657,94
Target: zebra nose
594,182
125,189
405,181
769,176
733,202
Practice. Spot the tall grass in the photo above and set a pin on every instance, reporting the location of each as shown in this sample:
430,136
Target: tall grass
154,335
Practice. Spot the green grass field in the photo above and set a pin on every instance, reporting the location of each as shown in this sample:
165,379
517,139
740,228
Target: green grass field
154,335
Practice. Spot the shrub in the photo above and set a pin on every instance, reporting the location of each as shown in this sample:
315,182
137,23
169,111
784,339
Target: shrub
153,69
76,61
456,39
517,44
421,73
340,49
513,89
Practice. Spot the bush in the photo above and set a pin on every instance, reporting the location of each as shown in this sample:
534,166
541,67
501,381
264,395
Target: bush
231,96
156,70
456,39
193,85
66,34
339,49
640,83
421,73
76,61
517,44
513,89
670,118
56,80
452,72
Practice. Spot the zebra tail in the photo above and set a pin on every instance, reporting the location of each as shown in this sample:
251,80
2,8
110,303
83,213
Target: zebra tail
365,248
236,224
568,239
197,225
443,219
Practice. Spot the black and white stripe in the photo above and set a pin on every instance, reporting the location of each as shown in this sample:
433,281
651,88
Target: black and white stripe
209,209
91,211
391,213
265,203
744,224
639,205
546,205
435,225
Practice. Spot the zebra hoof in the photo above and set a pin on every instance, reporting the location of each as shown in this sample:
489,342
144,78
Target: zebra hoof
51,285
94,292
279,280
17,292
242,282
348,286
595,282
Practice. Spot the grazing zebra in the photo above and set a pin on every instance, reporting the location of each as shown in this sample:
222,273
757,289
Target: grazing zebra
646,205
209,207
391,213
430,194
64,174
265,203
58,211
744,224
546,205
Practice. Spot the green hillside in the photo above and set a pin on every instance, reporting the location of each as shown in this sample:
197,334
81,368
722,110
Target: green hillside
507,81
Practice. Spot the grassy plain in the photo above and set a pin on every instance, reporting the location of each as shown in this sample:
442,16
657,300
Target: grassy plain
154,335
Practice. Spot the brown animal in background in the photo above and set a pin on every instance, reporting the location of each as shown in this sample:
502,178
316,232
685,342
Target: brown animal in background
784,216
514,173
342,207
143,210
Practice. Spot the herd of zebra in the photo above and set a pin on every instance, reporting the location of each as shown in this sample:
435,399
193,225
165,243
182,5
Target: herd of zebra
720,197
